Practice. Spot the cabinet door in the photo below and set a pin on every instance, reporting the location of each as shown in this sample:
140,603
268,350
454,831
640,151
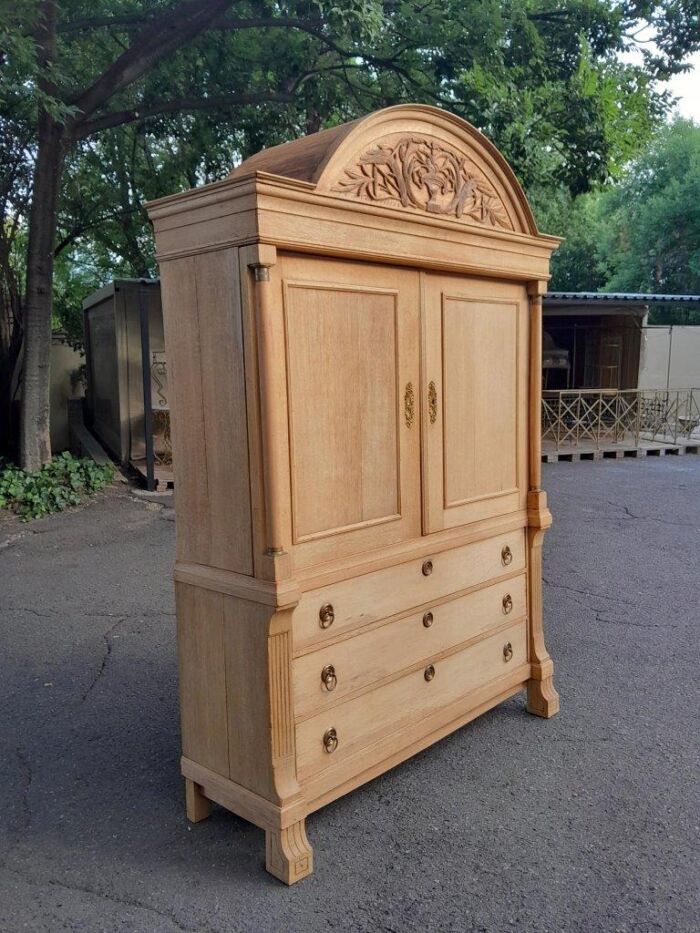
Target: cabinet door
352,337
475,338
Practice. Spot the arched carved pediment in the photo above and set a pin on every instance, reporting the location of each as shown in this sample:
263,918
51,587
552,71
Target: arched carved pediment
412,158
427,175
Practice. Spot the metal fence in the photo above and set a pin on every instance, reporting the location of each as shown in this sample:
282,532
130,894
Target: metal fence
603,417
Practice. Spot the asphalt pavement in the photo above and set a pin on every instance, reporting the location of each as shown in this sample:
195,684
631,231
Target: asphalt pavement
587,822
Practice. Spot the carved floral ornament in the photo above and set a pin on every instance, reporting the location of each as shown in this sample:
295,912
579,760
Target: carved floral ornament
427,176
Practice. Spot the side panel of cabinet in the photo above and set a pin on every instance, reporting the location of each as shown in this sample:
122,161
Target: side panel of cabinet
204,347
351,337
474,387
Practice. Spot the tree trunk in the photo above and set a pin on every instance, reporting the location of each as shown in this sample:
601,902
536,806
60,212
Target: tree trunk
34,434
35,440
10,344
9,355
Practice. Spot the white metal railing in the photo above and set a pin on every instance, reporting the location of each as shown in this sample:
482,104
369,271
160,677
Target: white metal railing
604,417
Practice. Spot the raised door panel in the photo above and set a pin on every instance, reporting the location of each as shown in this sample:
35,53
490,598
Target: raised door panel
352,349
475,398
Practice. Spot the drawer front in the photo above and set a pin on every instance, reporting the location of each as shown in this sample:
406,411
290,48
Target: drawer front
326,739
324,613
324,676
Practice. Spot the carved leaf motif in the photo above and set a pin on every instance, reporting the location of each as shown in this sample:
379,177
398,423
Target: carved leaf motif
427,176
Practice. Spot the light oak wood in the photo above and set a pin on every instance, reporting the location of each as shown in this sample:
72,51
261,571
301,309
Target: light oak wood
352,325
409,698
369,761
379,653
202,669
288,591
210,436
536,290
542,698
365,599
251,806
288,855
354,461
274,440
365,764
475,353
197,805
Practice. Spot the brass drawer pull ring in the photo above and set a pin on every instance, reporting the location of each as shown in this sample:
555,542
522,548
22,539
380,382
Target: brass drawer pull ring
329,678
428,619
326,615
427,568
429,672
507,652
330,741
507,603
506,556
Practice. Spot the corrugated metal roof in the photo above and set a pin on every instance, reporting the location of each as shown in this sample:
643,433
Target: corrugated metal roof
639,297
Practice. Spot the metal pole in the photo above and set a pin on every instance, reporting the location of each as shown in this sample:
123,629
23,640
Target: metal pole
146,371
676,416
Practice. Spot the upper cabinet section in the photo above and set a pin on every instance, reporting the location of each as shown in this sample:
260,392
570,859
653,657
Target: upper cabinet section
364,291
409,184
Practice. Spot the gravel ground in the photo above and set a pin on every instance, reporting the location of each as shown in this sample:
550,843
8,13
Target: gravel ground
587,822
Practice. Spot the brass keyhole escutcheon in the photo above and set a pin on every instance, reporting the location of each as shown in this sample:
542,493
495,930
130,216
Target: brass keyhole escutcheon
432,402
409,405
428,619
326,615
507,652
329,677
429,672
330,740
427,568
507,603
506,556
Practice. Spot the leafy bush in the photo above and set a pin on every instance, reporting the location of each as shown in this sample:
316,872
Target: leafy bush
62,483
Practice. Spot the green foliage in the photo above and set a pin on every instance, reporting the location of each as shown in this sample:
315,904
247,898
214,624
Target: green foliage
542,78
641,235
577,265
62,483
652,235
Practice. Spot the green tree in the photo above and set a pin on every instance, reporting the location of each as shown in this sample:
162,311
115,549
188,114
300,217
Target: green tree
651,238
576,266
541,78
640,235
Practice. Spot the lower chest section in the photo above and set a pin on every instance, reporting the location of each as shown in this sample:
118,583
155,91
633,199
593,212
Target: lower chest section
390,661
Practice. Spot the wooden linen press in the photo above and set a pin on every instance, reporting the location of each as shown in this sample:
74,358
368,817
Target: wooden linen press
353,326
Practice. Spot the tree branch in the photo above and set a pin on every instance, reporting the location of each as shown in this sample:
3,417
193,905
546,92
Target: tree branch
179,104
267,22
138,19
163,35
102,22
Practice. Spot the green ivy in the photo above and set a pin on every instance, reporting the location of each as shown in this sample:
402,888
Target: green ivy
63,482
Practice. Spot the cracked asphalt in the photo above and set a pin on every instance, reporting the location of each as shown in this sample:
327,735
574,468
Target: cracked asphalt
587,822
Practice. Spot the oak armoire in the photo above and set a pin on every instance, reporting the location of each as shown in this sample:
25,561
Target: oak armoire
353,327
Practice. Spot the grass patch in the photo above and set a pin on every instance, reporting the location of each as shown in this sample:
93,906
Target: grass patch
62,483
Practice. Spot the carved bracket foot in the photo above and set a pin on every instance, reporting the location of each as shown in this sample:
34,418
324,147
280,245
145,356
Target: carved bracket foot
288,855
542,698
198,807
